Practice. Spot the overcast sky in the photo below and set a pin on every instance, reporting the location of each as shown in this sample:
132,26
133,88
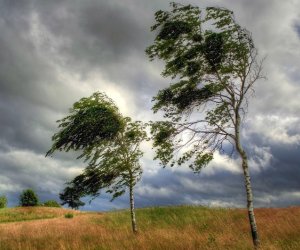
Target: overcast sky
54,52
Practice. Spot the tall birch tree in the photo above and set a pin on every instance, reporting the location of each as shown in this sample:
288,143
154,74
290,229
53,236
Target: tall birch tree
214,64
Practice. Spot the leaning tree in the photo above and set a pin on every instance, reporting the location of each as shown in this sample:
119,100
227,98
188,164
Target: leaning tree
109,143
214,64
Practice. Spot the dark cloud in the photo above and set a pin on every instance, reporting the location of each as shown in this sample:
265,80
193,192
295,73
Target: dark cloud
95,34
275,185
54,52
297,28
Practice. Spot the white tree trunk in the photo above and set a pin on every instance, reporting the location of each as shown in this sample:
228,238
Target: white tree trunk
244,158
132,212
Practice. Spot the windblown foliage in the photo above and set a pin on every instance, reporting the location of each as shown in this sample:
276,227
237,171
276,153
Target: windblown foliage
92,120
109,143
114,165
71,197
214,62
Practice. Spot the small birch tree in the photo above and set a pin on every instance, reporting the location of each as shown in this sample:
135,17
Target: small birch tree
214,64
110,144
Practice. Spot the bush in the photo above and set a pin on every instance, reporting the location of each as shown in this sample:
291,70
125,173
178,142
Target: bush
3,201
28,198
51,203
69,215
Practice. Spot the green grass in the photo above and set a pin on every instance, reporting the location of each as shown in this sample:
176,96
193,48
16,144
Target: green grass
167,217
28,213
69,215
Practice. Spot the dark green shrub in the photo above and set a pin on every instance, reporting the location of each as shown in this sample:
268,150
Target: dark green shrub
28,198
3,201
51,203
69,215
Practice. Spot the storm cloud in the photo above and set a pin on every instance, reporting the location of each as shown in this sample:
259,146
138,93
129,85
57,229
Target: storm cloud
52,53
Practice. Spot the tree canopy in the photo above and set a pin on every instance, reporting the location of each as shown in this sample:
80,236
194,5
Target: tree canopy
93,120
29,198
108,142
212,60
113,164
71,197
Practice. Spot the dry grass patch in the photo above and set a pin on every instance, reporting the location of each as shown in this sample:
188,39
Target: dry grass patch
159,228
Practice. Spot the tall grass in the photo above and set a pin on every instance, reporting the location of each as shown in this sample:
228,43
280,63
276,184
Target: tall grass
181,227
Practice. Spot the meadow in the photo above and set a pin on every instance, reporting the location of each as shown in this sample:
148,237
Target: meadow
182,227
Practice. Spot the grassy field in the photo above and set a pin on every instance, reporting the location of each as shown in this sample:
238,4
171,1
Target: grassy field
30,213
182,227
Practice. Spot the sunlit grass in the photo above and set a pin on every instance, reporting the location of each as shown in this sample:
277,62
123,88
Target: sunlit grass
29,213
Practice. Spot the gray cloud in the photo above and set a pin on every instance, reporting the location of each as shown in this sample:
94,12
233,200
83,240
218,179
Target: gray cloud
54,52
